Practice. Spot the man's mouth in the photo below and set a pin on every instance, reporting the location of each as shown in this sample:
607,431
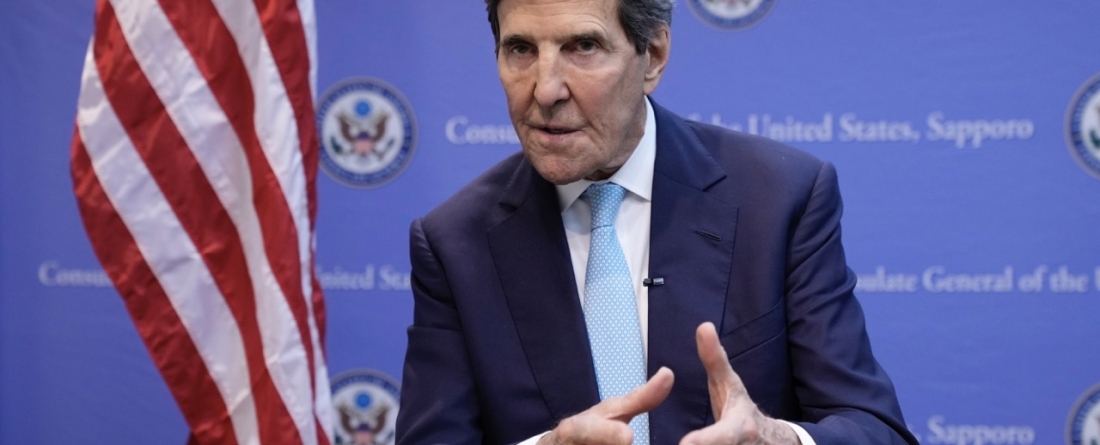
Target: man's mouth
555,130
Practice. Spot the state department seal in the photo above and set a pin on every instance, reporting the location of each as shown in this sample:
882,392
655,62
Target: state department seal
368,132
366,403
731,15
1083,427
1083,126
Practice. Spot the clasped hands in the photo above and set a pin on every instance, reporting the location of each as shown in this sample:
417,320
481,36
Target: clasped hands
737,420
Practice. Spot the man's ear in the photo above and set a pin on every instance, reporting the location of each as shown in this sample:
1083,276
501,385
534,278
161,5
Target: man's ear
657,53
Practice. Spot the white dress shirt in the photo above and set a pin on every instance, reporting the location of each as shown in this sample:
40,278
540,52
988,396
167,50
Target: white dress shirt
632,225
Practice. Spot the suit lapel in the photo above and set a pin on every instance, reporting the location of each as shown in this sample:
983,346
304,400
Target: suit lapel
691,247
536,274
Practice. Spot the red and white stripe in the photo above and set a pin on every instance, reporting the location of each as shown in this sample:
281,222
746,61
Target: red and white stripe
194,164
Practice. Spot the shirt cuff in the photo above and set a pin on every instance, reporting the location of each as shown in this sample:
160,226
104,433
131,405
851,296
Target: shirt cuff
533,440
803,436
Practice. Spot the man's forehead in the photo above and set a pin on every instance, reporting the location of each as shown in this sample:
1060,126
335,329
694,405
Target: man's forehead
557,18
611,5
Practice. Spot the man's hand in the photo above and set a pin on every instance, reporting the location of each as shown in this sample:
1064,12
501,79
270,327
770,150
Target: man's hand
737,421
607,422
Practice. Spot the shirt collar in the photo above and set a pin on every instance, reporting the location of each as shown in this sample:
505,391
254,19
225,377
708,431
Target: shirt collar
636,175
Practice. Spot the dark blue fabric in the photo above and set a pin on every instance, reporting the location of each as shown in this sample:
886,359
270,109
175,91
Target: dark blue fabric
745,233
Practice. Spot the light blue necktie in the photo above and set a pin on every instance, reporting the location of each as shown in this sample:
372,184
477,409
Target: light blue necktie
610,310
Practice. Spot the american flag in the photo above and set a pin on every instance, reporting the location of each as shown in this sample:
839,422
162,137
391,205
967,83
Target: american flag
194,165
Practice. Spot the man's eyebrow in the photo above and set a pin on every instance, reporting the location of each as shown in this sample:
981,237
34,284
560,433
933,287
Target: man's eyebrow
514,39
590,35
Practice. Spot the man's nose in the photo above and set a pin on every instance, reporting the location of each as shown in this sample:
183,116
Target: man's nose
550,84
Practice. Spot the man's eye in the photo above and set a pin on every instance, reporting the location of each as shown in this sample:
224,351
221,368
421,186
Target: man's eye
586,46
520,49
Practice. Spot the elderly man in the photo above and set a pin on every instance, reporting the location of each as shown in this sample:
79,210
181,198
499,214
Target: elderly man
632,277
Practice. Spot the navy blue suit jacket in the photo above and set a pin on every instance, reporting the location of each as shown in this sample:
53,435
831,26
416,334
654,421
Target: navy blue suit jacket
745,232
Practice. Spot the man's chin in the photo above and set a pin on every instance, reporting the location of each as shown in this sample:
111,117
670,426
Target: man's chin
559,178
557,174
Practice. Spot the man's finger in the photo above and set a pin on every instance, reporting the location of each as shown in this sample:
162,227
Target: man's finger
606,423
642,399
714,357
589,429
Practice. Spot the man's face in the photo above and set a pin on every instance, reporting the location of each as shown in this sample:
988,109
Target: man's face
575,84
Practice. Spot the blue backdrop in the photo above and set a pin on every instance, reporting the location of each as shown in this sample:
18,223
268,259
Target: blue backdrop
960,130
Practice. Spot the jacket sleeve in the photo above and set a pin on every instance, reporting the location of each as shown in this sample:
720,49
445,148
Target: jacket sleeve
845,396
438,399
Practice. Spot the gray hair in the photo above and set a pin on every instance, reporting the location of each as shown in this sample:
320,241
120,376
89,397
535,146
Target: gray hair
639,18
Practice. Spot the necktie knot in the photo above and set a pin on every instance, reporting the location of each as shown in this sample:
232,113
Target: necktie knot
605,199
